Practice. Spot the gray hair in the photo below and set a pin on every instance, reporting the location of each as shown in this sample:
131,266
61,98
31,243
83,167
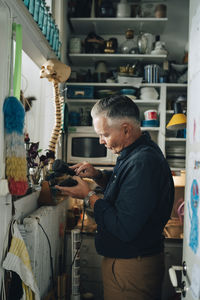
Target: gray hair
117,108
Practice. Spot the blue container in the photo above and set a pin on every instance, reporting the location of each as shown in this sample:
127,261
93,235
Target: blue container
128,91
150,123
80,92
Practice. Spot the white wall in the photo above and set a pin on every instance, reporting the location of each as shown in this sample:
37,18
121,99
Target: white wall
41,117
176,30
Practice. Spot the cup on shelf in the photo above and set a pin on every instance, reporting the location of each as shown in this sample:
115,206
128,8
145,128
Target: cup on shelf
75,45
151,114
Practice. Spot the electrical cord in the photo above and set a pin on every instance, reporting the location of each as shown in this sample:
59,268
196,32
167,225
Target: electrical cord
51,258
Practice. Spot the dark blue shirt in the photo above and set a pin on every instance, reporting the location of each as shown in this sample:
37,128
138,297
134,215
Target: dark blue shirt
137,203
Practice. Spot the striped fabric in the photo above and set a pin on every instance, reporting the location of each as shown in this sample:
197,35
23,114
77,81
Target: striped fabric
18,261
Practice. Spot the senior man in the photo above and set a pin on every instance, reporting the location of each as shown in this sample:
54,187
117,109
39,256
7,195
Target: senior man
137,203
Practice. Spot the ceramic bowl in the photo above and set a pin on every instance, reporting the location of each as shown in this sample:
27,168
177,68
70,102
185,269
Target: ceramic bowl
148,96
179,68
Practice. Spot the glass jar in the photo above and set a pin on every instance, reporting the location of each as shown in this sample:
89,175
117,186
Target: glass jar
45,19
36,10
26,3
55,37
31,7
59,50
130,44
48,26
52,30
41,15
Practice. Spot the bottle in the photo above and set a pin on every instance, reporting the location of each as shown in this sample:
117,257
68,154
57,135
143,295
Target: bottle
36,10
55,37
52,30
48,26
130,44
44,26
41,15
31,7
26,3
92,13
59,50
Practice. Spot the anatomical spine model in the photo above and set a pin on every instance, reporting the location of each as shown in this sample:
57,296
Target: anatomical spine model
57,72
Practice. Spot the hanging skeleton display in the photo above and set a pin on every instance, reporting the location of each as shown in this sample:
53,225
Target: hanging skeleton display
56,72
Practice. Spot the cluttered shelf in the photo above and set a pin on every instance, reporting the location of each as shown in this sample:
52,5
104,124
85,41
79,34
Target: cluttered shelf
89,59
118,25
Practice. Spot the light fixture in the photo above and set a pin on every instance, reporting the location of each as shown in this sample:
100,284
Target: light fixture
178,120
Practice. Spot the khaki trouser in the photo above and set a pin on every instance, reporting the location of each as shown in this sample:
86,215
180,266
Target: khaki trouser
133,279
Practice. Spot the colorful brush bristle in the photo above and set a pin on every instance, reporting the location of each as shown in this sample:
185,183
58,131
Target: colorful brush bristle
16,164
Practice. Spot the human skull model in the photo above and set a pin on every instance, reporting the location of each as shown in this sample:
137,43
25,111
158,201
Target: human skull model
54,70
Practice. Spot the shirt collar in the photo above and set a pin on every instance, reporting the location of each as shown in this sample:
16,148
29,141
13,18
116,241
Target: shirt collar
143,139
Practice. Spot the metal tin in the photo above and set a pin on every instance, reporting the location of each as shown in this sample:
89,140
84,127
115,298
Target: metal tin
148,73
155,74
151,73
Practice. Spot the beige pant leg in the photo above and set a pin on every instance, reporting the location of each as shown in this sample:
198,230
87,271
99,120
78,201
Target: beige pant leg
133,279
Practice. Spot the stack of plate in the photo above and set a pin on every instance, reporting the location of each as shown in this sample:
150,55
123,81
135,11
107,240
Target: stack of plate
177,151
176,163
176,156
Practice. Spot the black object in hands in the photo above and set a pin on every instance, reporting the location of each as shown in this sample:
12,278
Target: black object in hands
68,182
61,167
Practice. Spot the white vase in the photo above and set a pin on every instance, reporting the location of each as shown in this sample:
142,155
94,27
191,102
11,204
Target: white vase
123,9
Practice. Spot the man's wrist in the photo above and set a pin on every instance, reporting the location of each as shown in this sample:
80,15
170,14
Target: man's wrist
87,198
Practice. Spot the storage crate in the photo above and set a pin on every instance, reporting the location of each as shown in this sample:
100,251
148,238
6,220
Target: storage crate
78,92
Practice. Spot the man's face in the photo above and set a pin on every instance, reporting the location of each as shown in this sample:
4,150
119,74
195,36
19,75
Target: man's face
113,137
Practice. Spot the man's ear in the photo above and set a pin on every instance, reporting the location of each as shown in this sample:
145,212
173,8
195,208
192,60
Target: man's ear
127,128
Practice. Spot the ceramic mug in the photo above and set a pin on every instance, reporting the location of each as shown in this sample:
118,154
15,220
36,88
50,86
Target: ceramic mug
151,114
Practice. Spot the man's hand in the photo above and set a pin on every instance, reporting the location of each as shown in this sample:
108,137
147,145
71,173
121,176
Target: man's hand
79,191
85,169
